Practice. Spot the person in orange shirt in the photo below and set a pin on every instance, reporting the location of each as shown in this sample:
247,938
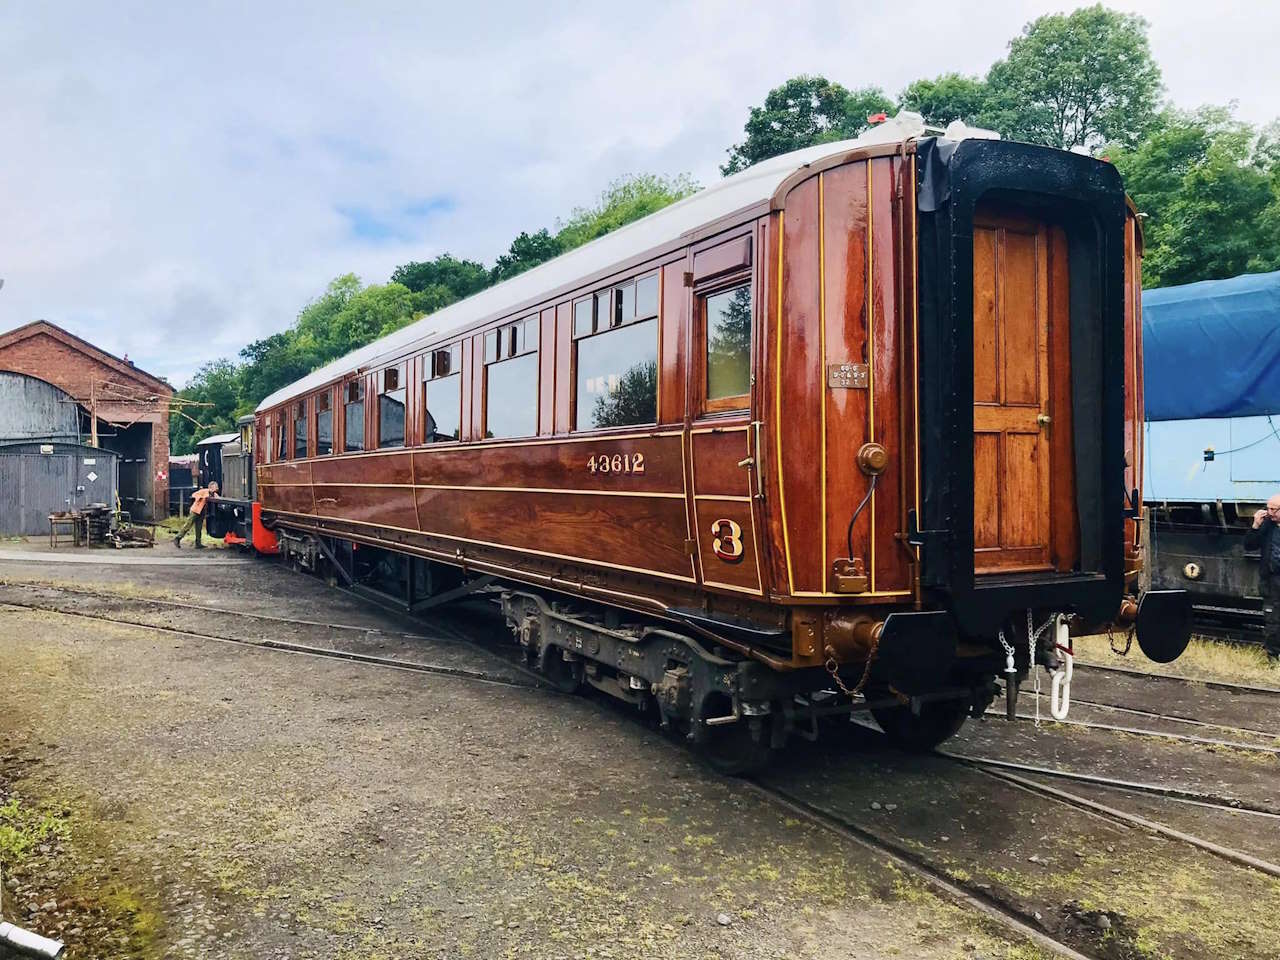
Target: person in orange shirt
199,500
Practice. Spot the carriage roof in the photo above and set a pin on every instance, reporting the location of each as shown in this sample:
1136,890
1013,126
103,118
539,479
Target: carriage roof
733,194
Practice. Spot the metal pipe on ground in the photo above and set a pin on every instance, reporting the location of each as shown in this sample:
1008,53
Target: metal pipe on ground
30,944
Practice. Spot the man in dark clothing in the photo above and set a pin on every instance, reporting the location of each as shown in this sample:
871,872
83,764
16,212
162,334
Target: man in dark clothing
1265,536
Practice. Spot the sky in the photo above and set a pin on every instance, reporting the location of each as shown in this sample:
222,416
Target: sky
177,183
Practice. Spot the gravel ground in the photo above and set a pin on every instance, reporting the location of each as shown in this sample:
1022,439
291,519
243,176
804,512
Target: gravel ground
172,797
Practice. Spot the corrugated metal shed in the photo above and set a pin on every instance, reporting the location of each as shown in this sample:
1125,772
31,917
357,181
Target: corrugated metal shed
37,479
31,409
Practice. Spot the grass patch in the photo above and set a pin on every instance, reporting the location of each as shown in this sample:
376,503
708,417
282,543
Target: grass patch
1205,659
23,828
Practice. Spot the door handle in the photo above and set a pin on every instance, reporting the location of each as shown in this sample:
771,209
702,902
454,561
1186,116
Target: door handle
1044,419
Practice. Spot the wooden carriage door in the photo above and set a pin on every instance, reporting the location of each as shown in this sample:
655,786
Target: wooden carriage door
1014,312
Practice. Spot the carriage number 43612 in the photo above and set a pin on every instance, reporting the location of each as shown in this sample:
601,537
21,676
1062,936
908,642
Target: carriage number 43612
616,463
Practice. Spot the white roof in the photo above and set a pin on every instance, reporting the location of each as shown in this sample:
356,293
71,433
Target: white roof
730,195
220,438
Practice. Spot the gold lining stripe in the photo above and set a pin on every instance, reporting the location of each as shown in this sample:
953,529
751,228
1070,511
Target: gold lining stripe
662,322
822,382
915,328
871,355
690,521
449,486
734,498
851,596
716,584
490,543
735,429
751,519
457,446
777,414
492,565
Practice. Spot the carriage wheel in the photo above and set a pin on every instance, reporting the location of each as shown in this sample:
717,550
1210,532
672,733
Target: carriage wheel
733,748
938,721
564,675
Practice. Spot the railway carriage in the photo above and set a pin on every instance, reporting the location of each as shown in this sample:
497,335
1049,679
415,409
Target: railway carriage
856,428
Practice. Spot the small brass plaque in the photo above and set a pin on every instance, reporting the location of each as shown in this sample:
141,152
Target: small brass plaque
848,376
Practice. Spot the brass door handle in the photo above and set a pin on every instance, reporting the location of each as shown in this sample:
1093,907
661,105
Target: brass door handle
747,463
1043,419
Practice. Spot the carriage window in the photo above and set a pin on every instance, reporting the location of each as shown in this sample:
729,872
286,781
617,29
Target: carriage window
284,437
616,357
300,430
727,317
442,396
324,424
511,382
647,297
266,446
391,402
583,325
617,377
353,417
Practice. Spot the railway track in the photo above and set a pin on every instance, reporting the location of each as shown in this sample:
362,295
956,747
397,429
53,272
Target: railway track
1177,794
905,857
1157,678
284,646
1158,734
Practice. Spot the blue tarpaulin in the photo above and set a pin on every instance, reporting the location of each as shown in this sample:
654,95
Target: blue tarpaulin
1212,349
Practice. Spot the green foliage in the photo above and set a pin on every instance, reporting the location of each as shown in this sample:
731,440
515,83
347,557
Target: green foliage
802,112
349,314
951,96
1076,80
633,400
217,384
461,278
1210,186
22,828
625,200
527,250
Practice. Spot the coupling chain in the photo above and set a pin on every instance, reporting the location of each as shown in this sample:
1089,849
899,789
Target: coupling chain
833,668
1128,639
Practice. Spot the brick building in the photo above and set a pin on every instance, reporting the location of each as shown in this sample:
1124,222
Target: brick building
121,408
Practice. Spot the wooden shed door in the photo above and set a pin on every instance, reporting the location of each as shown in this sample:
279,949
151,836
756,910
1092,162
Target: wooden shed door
1013,410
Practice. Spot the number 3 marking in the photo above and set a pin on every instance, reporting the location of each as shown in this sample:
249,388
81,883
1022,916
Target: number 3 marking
727,542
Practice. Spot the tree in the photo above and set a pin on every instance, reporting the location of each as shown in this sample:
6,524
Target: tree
315,321
634,399
1209,186
952,96
802,112
1077,80
461,277
217,384
274,362
374,312
623,202
527,250
349,314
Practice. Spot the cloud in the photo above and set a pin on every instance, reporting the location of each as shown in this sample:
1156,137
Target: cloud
178,181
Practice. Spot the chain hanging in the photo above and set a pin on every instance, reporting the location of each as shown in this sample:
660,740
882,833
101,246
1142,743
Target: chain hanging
833,668
1128,640
1033,635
